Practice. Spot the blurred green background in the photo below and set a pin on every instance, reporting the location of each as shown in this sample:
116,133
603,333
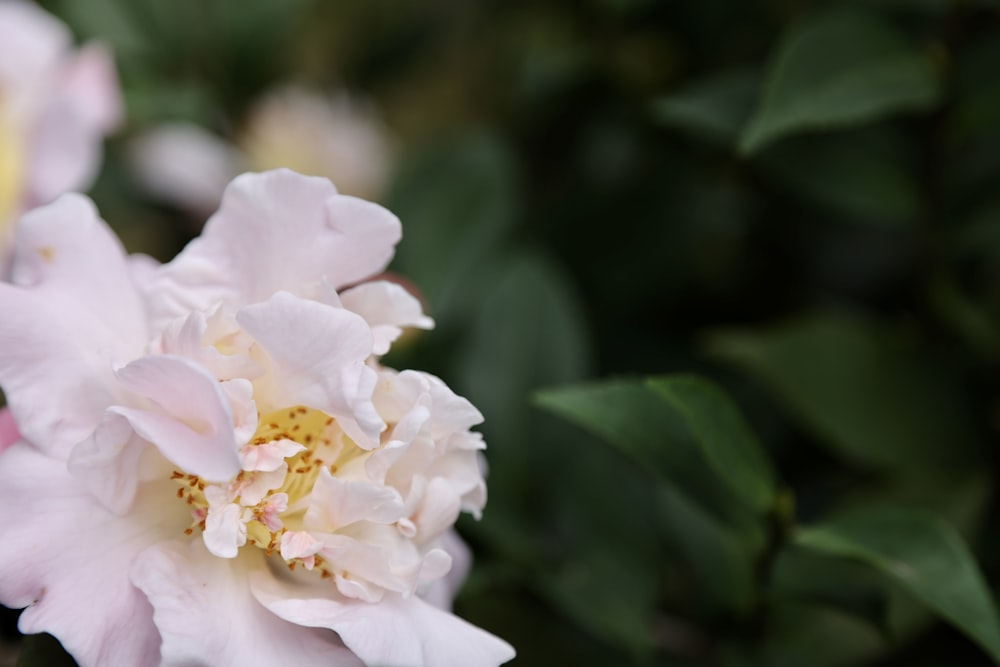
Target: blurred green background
787,211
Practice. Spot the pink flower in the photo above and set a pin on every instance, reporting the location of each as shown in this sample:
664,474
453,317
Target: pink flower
56,105
214,468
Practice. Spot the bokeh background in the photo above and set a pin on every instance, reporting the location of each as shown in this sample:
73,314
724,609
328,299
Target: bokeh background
798,200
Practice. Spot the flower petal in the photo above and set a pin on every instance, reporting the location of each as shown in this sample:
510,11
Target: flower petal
441,592
397,631
192,425
191,592
318,355
8,430
185,164
336,504
277,230
64,556
108,462
66,142
66,326
387,307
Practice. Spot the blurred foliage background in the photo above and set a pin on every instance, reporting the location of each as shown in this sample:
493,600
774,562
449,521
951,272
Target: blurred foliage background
723,276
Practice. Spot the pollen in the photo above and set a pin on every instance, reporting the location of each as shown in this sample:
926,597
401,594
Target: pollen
281,508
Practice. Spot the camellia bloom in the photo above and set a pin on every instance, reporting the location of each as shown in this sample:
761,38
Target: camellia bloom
213,468
56,105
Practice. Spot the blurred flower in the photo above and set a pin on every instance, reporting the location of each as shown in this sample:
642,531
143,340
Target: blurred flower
339,138
56,105
226,473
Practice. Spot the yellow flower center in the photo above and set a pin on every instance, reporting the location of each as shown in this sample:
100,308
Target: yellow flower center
11,167
326,446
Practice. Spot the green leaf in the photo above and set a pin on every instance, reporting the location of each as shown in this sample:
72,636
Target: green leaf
720,559
457,200
725,439
861,175
715,108
925,556
838,69
877,397
715,483
674,427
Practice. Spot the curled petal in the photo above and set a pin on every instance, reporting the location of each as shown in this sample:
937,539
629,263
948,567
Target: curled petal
387,307
398,631
65,555
192,424
191,592
317,355
277,230
66,327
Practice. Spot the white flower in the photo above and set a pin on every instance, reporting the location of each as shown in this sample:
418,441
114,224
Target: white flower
213,468
340,138
56,105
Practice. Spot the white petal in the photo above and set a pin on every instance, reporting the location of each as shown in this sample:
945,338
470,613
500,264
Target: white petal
193,426
336,504
78,313
388,308
224,531
318,358
108,462
65,557
186,165
397,631
270,455
277,231
207,617
441,592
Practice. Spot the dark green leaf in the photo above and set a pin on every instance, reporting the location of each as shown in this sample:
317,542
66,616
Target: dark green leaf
837,69
875,396
859,175
925,556
679,428
715,108
457,201
725,439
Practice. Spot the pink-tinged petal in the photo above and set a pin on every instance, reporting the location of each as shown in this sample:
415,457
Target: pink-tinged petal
90,82
438,510
8,430
397,631
185,165
336,504
108,463
275,231
65,556
192,591
66,143
388,308
65,153
78,314
270,455
191,422
318,358
224,531
441,592
31,42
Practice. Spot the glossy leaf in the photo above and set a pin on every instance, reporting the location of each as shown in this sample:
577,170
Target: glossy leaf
924,555
838,69
873,395
676,427
714,108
